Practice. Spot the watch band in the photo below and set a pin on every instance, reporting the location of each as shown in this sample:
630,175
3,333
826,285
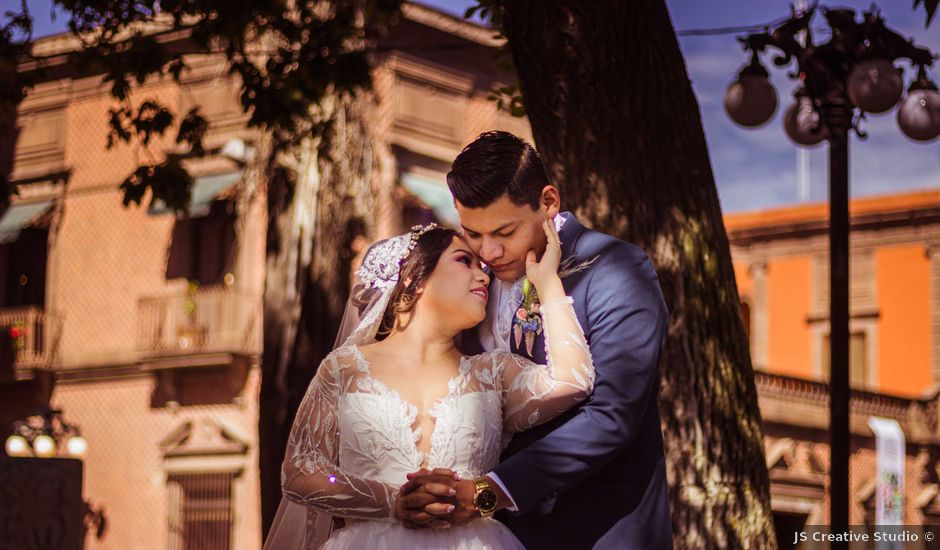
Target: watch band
484,497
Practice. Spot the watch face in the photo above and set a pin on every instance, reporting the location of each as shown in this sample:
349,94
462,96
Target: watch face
486,500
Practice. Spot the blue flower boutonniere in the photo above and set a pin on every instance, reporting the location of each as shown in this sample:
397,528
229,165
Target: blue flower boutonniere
527,323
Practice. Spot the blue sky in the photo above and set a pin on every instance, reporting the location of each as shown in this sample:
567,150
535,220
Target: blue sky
757,169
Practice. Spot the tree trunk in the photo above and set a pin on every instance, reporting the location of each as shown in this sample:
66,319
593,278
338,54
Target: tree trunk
315,211
614,116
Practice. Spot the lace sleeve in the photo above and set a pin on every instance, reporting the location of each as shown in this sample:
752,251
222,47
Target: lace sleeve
310,474
533,393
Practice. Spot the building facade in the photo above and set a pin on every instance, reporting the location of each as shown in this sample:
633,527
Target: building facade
781,265
145,328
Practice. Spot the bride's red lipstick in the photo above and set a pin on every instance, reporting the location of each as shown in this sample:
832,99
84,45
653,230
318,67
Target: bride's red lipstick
481,291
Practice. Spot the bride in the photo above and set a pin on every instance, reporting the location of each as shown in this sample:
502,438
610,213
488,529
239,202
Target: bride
397,396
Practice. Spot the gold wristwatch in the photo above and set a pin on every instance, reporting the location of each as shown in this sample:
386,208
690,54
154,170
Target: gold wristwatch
484,497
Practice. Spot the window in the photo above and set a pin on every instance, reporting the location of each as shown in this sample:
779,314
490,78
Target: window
200,511
23,269
202,247
858,359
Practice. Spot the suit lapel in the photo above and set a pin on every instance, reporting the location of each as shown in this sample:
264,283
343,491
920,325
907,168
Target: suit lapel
569,233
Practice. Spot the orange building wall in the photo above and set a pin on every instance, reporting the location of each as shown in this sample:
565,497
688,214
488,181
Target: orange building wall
903,278
788,294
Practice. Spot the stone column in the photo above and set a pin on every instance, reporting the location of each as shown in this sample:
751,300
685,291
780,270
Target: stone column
760,314
932,250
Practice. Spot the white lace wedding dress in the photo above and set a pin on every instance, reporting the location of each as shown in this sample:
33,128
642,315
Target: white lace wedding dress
354,438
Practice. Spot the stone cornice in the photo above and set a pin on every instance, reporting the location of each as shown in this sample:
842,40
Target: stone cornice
868,221
451,25
798,401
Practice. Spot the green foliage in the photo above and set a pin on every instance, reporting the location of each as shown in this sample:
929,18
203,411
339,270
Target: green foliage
509,98
930,6
289,55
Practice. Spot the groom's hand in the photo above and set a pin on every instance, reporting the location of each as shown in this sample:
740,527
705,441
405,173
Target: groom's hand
426,497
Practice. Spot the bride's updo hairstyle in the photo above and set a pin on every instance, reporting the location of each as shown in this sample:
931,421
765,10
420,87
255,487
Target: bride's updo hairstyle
415,270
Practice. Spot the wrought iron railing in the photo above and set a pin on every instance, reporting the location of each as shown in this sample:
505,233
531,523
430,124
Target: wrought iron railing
209,319
29,337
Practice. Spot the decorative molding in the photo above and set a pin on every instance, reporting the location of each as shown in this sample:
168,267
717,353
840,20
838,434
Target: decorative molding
451,25
202,437
40,142
795,245
864,222
428,102
799,402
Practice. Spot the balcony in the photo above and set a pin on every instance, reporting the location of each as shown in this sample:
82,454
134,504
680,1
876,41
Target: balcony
29,337
208,320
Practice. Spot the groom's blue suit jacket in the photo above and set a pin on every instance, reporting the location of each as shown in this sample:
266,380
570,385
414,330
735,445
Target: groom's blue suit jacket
595,477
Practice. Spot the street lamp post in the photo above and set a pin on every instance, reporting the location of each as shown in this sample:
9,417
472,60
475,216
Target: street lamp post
841,80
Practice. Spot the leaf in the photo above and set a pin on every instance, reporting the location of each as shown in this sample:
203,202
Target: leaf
192,130
116,123
930,6
170,184
579,378
176,68
533,418
152,118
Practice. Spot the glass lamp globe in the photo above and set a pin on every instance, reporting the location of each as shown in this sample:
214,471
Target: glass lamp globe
76,446
802,124
44,446
751,99
16,445
875,85
919,114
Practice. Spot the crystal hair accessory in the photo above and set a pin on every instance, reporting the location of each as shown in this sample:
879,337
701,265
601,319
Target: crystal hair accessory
416,233
382,262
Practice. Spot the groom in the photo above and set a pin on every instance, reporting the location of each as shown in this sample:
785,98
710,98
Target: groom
594,477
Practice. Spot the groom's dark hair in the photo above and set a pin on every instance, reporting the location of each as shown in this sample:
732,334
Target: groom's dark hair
494,164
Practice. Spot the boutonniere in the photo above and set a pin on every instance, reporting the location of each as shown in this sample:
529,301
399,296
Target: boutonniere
527,322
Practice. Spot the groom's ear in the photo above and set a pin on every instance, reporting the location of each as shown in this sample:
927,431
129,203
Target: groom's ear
550,200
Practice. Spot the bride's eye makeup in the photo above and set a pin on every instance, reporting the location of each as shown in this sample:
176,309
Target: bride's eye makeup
463,256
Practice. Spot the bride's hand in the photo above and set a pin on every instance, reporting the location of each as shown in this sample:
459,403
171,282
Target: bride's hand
544,273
